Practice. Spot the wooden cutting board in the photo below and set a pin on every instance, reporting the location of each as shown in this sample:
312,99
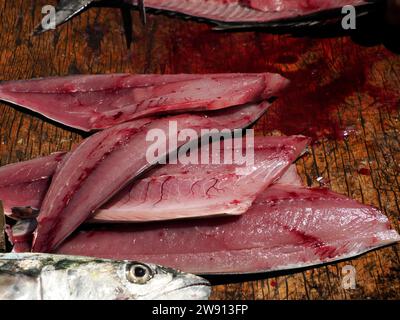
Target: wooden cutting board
343,94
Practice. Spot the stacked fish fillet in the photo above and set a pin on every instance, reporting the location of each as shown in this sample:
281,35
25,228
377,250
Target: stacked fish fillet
106,199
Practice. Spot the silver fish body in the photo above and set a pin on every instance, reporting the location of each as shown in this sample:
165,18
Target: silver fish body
31,276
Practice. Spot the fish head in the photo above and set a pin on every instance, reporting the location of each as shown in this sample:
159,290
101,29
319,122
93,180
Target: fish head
149,281
59,277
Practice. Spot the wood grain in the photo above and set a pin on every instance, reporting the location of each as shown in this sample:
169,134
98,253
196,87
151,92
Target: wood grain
343,94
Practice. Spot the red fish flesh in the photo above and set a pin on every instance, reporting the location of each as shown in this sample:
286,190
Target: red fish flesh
287,227
185,191
106,162
205,190
26,183
93,102
21,234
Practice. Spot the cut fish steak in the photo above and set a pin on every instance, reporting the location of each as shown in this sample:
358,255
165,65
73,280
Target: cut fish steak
93,102
106,162
287,227
179,190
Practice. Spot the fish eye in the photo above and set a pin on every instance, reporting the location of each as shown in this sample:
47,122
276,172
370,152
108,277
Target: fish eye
138,273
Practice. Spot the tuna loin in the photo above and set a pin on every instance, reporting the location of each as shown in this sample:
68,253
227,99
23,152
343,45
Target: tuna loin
106,162
287,227
91,102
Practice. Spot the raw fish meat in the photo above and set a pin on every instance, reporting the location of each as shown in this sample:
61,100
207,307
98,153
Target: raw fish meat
287,227
93,102
25,184
193,191
245,11
108,161
174,191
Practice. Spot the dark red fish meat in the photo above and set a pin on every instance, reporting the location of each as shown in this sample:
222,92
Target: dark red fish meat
106,162
93,102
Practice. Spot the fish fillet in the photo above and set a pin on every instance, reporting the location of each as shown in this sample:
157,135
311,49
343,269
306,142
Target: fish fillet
21,234
173,191
106,162
187,191
25,183
93,102
287,227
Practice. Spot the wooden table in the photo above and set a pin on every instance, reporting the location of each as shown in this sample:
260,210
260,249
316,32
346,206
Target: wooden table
343,94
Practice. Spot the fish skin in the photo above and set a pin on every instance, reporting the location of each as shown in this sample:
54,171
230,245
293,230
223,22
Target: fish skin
95,102
287,227
32,276
116,156
25,183
209,189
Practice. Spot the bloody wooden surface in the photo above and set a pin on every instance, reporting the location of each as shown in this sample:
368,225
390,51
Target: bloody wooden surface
343,94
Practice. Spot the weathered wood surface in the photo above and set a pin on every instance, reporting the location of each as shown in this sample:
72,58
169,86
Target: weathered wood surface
344,93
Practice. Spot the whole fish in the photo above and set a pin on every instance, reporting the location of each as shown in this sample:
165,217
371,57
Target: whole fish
56,277
227,13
